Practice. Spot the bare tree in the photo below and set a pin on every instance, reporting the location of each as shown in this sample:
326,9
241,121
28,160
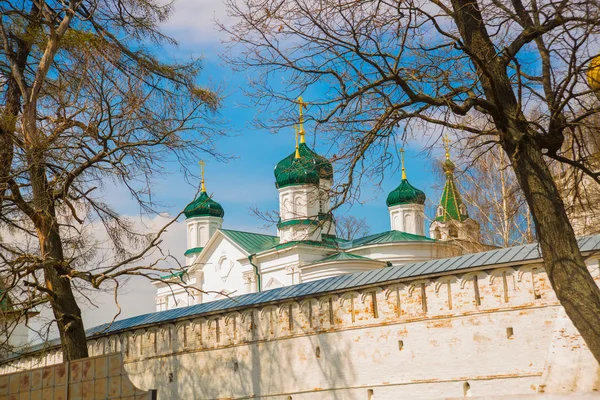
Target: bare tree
512,73
85,104
493,196
349,227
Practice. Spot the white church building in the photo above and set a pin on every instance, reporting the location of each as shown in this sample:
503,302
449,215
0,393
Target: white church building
224,262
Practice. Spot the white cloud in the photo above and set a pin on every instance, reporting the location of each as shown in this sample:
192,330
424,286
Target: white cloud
193,21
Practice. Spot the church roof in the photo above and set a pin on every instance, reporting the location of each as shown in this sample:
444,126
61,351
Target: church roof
342,257
254,243
204,206
307,169
388,237
251,242
451,201
379,276
193,250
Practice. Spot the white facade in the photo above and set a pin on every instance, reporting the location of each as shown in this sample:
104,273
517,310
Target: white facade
199,231
467,230
301,209
408,218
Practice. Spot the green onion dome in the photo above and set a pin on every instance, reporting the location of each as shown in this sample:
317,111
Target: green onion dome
405,194
307,169
204,206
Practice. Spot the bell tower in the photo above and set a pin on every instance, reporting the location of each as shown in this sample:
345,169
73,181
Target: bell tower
304,180
406,205
452,220
203,217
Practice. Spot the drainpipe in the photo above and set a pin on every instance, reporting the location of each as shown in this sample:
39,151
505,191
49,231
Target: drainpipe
258,280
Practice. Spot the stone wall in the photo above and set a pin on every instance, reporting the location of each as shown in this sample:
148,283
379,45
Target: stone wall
95,378
497,331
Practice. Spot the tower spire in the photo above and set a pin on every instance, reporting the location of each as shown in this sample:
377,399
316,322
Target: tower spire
446,141
297,156
301,132
402,158
202,164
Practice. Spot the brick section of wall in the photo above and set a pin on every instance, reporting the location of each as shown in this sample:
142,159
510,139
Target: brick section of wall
94,378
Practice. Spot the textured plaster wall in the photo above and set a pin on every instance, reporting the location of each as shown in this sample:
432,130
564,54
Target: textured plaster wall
492,332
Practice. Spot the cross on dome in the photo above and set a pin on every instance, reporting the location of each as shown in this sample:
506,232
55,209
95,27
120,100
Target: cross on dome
202,164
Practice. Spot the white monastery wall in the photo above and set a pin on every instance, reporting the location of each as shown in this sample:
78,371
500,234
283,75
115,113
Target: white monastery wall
486,332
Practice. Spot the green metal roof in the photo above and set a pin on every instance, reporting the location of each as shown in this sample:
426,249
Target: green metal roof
388,237
177,274
193,250
343,257
204,206
325,243
252,242
307,169
306,221
451,201
405,193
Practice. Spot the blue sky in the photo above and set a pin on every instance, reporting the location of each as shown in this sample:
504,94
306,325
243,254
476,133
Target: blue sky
247,179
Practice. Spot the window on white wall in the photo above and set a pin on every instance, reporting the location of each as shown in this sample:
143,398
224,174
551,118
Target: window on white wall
285,207
191,238
322,195
297,205
396,222
202,236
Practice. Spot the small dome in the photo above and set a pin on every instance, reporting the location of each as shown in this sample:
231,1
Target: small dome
405,194
593,73
204,206
307,169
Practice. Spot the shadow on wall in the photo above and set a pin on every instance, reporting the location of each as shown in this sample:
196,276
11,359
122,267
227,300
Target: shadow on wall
275,365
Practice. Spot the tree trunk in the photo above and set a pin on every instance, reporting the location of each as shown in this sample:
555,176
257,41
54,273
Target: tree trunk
65,308
573,284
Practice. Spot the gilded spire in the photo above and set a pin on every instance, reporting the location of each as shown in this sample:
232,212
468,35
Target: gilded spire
448,164
451,204
446,141
202,187
297,156
302,106
403,169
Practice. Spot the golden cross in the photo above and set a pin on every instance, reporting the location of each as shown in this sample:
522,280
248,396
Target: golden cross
402,158
302,105
446,141
202,164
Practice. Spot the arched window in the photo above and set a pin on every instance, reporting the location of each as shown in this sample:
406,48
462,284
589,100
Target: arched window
436,233
462,209
202,236
440,211
191,238
452,231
